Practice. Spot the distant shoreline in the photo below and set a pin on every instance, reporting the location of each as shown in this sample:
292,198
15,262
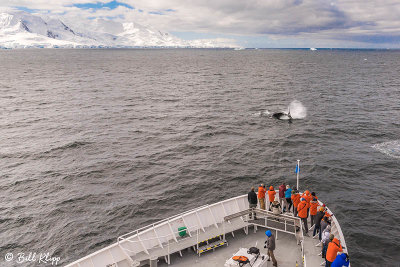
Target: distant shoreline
195,48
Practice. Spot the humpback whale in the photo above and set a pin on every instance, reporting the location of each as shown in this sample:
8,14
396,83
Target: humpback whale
283,116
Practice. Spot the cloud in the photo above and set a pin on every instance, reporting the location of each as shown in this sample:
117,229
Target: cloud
335,20
99,5
358,22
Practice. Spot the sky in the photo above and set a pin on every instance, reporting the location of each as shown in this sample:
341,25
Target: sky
250,23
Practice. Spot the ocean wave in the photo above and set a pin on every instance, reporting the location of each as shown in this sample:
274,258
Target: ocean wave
222,132
391,148
17,155
74,144
67,146
27,154
19,182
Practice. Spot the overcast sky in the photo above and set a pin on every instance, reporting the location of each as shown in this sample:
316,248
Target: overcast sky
249,23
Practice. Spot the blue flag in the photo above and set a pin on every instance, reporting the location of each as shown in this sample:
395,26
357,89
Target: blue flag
297,169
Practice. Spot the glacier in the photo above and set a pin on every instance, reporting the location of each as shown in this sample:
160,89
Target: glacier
20,29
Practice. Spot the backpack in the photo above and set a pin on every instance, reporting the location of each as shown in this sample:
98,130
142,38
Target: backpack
253,250
242,260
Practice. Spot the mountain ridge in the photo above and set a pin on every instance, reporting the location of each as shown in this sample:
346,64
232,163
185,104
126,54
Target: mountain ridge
20,29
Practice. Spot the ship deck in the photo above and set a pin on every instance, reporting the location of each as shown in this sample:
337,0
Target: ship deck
160,244
287,252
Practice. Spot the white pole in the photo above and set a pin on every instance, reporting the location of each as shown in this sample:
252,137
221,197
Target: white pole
298,172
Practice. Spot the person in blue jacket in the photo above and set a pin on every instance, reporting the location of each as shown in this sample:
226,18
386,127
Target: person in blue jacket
288,196
341,260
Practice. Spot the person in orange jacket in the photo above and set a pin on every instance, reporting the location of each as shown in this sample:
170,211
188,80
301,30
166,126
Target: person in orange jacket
307,196
333,248
296,200
313,210
302,210
261,196
271,195
313,195
327,215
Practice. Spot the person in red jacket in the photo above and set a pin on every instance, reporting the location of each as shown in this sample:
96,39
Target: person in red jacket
261,196
302,210
313,210
333,248
296,200
282,200
271,196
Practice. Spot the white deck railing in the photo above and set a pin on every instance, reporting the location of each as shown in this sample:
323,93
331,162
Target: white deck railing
335,228
165,232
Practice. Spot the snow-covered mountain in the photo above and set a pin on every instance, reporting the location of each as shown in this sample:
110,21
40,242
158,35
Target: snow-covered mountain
23,30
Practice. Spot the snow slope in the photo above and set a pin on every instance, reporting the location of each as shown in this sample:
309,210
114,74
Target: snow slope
21,30
24,30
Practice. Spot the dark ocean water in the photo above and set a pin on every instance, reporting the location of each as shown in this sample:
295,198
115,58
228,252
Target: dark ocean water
97,143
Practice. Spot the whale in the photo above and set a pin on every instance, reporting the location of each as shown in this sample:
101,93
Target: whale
282,116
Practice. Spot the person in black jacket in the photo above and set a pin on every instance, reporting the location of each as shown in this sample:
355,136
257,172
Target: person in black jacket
252,197
318,218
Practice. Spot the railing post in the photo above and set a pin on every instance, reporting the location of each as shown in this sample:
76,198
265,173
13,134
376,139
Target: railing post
285,224
158,238
295,230
143,245
226,214
187,227
169,258
126,254
212,215
198,219
172,232
197,242
112,257
237,203
223,228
